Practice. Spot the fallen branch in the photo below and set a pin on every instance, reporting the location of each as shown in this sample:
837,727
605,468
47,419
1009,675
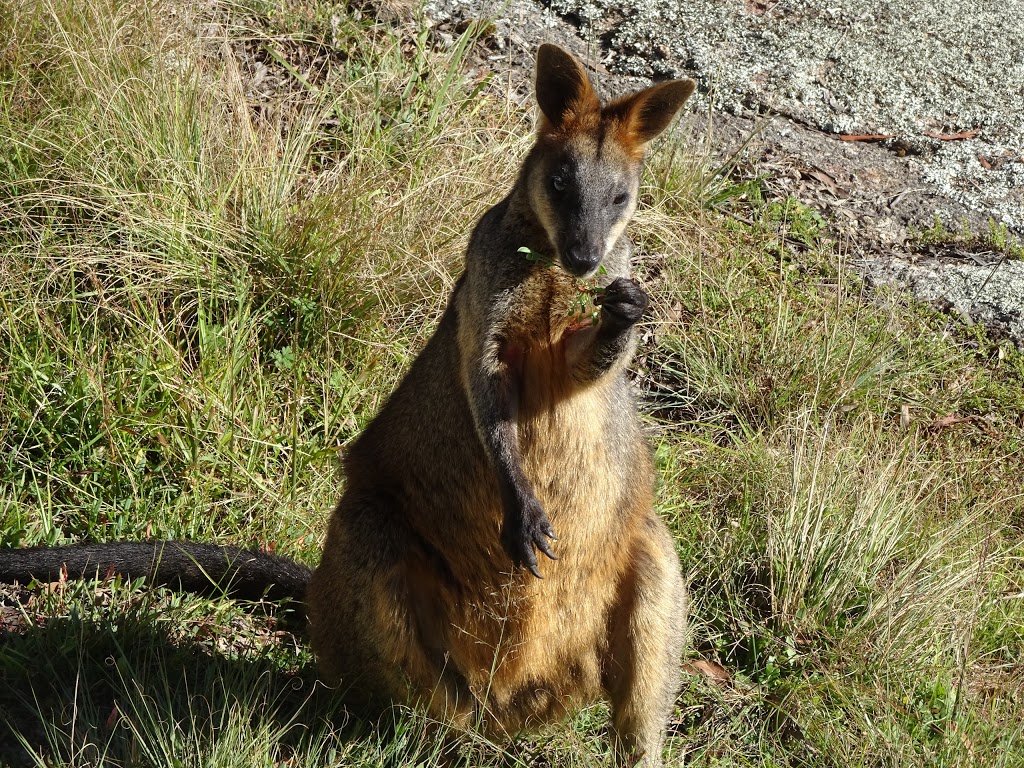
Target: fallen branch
945,422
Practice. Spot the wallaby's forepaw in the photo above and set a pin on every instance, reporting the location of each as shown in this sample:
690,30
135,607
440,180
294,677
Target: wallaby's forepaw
524,531
622,303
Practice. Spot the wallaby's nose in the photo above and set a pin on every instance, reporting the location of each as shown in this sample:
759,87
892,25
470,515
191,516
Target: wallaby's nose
581,259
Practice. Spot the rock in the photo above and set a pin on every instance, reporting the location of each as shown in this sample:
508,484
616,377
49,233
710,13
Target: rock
783,79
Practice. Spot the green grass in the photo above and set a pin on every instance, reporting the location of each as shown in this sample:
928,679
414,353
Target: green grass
208,286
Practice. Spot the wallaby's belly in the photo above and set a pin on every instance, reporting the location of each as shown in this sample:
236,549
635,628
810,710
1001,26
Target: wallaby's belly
529,651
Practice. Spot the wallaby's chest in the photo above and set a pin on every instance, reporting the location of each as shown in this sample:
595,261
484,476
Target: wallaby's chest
563,425
546,310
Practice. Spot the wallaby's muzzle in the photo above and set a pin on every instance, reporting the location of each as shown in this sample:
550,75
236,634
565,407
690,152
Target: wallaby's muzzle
580,258
584,231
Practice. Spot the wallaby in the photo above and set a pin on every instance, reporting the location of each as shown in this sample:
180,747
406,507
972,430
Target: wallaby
514,432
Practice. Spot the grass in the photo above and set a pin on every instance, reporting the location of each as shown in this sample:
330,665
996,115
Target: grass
226,231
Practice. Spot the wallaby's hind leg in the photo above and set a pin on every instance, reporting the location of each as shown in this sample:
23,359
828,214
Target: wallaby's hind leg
351,589
370,618
648,632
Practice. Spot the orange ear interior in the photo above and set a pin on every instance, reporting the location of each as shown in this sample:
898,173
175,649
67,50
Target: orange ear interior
640,117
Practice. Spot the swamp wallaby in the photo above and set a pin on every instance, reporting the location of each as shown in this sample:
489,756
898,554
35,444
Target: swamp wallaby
513,433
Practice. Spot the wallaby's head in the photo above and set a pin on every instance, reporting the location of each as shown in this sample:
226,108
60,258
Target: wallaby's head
584,172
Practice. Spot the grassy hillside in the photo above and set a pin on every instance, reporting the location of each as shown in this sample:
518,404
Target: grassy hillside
226,229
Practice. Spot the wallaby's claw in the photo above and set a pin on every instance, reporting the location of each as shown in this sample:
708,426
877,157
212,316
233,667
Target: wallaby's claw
623,303
544,547
526,530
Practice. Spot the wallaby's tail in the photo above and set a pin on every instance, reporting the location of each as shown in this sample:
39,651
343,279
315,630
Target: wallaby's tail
202,568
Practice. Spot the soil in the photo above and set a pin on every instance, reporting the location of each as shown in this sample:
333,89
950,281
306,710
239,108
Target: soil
892,120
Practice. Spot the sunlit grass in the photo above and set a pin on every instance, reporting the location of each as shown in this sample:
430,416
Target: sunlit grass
208,287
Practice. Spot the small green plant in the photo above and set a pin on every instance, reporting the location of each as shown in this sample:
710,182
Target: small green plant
540,259
797,220
996,238
586,303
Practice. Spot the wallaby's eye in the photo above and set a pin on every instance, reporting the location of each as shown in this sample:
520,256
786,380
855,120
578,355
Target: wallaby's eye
558,183
621,198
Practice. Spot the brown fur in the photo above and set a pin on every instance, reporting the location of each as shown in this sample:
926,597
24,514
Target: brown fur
516,416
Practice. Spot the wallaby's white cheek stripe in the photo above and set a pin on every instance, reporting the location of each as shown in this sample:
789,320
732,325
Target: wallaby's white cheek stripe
541,206
616,232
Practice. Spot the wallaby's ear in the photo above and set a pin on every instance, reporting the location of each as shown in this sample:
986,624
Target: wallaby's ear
563,88
644,115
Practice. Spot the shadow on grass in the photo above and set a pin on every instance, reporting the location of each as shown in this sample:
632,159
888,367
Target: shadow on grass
120,691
